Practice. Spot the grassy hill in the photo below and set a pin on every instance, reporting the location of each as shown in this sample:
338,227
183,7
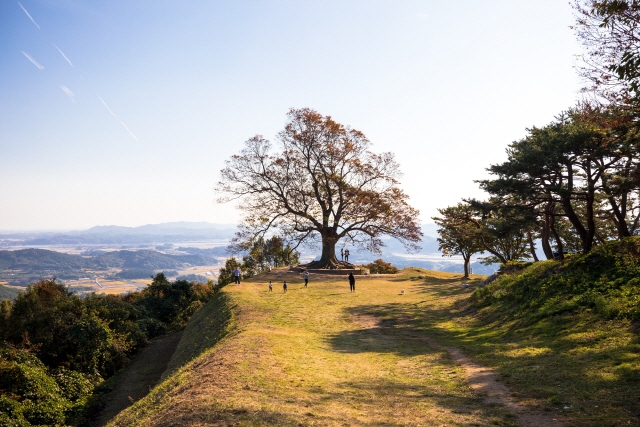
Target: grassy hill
42,259
324,356
7,293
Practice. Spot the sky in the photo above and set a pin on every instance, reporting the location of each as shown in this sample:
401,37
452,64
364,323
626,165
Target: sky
124,112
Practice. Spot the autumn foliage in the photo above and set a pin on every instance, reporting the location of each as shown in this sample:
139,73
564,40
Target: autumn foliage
322,185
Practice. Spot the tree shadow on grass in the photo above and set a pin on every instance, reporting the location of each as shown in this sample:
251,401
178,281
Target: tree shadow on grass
385,395
228,417
560,361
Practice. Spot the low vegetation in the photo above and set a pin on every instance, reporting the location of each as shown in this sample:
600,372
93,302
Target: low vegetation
58,347
380,267
605,282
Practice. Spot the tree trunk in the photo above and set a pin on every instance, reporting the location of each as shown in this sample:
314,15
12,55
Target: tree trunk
467,264
329,250
545,235
558,241
328,259
531,247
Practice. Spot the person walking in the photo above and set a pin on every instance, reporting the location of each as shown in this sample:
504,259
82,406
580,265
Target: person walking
342,254
306,278
236,274
284,286
346,255
270,286
352,282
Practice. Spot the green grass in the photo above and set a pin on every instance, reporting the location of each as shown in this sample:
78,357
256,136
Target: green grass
325,356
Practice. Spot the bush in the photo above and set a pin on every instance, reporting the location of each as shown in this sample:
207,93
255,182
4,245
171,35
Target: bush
49,412
77,342
381,267
152,327
75,385
11,413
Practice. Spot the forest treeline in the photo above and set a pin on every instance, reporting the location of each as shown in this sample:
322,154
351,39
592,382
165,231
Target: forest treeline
259,256
571,185
57,348
574,183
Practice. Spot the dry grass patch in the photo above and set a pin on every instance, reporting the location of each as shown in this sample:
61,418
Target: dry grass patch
301,358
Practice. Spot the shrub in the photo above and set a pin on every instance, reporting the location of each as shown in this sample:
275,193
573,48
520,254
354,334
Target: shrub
381,267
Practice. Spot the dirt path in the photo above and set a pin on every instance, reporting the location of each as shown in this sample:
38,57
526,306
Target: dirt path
137,379
323,356
481,379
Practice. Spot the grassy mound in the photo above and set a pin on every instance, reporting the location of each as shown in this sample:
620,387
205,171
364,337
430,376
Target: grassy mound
206,328
605,281
321,355
562,334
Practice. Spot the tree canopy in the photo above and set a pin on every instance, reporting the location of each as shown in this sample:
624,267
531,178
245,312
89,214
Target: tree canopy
322,185
610,32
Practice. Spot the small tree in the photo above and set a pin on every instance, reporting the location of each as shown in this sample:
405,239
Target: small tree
457,237
381,267
226,275
323,185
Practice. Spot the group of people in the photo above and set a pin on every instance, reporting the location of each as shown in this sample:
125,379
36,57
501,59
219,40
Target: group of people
352,279
284,285
344,254
352,282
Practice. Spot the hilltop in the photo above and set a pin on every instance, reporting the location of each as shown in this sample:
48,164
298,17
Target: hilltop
326,356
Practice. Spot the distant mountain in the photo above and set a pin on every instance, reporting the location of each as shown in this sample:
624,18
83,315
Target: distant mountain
429,245
8,293
169,232
167,228
45,260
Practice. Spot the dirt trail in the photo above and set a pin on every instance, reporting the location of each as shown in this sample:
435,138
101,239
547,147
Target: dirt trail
481,379
324,356
137,379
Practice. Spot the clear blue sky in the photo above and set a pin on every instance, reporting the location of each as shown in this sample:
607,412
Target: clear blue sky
123,112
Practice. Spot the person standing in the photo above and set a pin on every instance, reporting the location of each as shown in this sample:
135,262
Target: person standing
352,282
284,286
236,274
306,278
346,255
342,254
270,286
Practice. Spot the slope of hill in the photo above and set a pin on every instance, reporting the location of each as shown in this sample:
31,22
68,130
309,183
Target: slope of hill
8,293
322,355
42,259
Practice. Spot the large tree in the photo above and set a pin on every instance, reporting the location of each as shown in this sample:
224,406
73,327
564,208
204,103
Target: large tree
573,168
323,184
